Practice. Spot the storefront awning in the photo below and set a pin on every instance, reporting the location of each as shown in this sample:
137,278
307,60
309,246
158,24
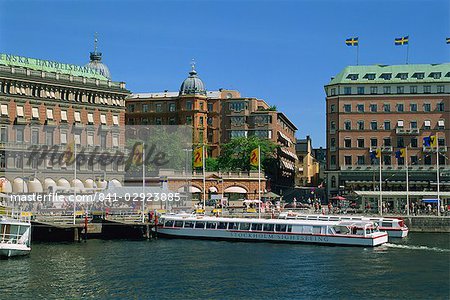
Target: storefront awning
236,190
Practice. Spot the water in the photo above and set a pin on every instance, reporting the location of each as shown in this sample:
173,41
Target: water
417,267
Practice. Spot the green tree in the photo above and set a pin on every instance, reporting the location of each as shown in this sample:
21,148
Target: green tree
235,155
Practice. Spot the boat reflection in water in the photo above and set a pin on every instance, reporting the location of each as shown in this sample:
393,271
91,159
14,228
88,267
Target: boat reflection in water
355,233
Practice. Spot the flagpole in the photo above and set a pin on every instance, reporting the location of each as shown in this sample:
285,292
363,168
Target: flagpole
74,179
259,181
437,176
143,182
407,51
380,205
407,180
204,179
357,54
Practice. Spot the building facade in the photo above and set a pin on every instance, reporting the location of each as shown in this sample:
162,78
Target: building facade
216,117
387,108
47,103
307,171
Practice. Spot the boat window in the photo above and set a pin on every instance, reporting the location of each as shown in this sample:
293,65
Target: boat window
179,224
334,218
257,227
188,224
268,227
316,229
222,225
289,228
280,227
341,230
200,225
211,225
386,224
301,217
168,223
234,226
245,226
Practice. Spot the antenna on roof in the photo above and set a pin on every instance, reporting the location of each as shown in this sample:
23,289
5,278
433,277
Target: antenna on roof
193,64
95,41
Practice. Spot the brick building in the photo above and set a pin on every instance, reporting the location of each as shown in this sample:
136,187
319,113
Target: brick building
216,117
52,103
387,107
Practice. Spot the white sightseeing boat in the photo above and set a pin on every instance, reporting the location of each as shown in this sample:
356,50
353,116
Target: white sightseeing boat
356,233
15,234
395,227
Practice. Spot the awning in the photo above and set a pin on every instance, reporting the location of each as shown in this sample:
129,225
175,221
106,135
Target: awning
35,186
62,182
6,186
115,183
90,184
77,183
192,189
430,201
19,186
48,182
213,189
102,184
236,190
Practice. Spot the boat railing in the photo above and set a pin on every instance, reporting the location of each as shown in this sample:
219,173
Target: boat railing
15,214
12,238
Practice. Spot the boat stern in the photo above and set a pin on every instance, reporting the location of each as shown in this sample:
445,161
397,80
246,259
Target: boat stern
379,238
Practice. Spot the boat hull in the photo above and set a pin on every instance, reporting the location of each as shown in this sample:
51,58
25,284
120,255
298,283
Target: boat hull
396,233
11,250
237,235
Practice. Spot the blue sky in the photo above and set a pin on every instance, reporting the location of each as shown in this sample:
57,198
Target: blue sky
280,51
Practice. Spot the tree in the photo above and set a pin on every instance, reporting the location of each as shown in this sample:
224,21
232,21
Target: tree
235,155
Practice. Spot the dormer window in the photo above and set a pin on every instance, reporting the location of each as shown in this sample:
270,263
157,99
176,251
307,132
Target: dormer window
419,75
353,76
370,76
402,76
386,76
435,75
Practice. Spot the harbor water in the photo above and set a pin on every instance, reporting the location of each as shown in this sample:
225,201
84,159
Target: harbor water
413,268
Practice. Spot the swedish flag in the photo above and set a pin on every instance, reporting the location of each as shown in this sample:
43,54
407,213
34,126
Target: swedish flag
402,41
352,41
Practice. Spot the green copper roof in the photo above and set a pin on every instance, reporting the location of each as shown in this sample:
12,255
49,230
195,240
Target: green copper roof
50,66
420,73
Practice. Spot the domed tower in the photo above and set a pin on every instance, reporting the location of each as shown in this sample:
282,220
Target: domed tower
96,61
192,85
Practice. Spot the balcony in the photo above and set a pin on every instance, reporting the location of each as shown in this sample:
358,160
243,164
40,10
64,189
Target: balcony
386,149
442,149
406,131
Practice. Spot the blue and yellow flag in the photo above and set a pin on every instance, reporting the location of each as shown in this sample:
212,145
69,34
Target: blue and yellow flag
69,154
400,153
375,153
254,157
433,141
447,40
198,157
138,155
352,41
402,41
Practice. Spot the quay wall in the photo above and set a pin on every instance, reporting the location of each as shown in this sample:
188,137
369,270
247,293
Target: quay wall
428,224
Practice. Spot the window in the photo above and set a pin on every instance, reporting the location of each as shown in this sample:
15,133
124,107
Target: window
427,160
19,135
413,124
172,121
77,117
414,142
373,107
332,92
387,107
387,125
373,142
116,120
347,90
348,160
427,124
361,160
19,110
201,105
3,134
189,105
347,143
374,125
103,141
401,161
64,115
413,107
238,133
386,89
333,108
158,121
77,138
90,118
413,89
172,107
360,125
158,107
441,142
145,107
427,107
427,89
4,108
402,76
347,108
333,142
414,159
103,119
400,142
189,120
90,138
373,90
440,89
35,113
387,159
440,106
360,143
333,160
63,137
387,142
333,181
280,227
435,75
347,125
360,107
400,89
238,105
360,90
441,124
131,107
333,125
353,76
419,75
400,123
49,138
400,107
115,141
